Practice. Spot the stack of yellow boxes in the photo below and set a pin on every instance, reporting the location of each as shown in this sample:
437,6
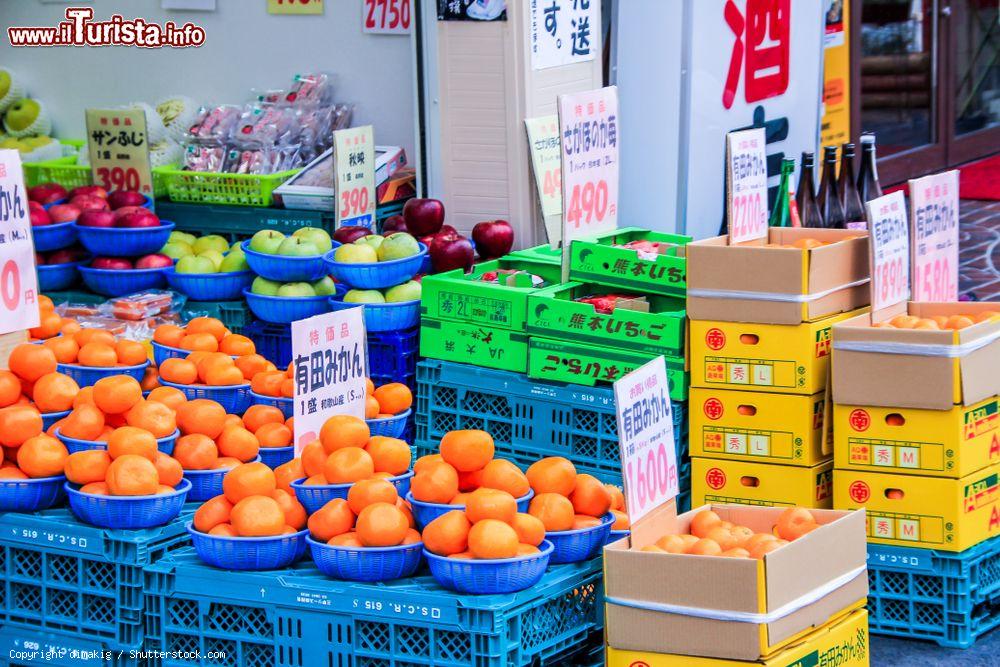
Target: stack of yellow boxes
760,342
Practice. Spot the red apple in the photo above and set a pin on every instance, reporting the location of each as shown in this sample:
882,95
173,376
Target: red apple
35,206
142,217
39,217
95,190
423,216
64,256
125,210
63,213
111,263
94,218
493,239
89,203
350,233
46,193
155,261
120,198
394,223
427,240
450,252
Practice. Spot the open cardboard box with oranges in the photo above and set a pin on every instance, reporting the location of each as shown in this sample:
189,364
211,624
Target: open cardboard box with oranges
818,272
794,589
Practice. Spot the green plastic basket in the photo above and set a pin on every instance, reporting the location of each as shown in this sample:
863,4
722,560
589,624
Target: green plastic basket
209,188
66,172
234,314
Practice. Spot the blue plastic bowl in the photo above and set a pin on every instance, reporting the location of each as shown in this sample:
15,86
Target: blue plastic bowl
391,427
376,275
57,277
50,418
146,204
206,484
384,316
127,512
124,241
424,513
87,376
286,405
235,399
163,352
285,309
54,237
248,553
370,564
75,445
31,495
615,535
313,497
487,577
283,268
273,457
572,546
112,282
166,443
210,286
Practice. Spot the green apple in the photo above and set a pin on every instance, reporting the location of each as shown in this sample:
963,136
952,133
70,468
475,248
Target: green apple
265,287
398,246
22,114
325,286
211,242
234,261
195,264
176,249
294,246
4,83
10,142
213,255
183,237
316,236
296,290
408,291
237,245
355,253
373,240
364,296
267,241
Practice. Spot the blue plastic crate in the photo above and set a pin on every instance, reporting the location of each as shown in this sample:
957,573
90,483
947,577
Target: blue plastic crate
392,356
29,645
300,617
944,597
528,419
62,575
273,341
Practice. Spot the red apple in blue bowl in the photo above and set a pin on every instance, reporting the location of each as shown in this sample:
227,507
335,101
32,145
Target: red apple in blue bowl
96,219
114,263
47,193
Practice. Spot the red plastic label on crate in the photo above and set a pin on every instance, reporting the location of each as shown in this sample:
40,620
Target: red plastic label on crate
934,220
889,251
18,280
119,149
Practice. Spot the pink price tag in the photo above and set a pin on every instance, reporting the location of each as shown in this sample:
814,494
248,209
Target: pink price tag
934,230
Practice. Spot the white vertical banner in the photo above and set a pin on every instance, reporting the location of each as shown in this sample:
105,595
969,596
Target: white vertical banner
889,248
934,233
563,32
746,172
330,360
18,280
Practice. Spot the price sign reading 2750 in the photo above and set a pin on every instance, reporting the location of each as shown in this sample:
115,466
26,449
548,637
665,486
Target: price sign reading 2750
390,17
890,250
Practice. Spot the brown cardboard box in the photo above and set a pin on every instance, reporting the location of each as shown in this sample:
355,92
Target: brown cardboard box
713,264
905,379
827,554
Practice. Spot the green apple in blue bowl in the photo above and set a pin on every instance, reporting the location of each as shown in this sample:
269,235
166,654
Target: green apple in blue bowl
296,290
353,253
372,240
325,286
176,249
195,264
408,291
267,241
214,255
210,242
364,296
235,261
297,247
318,237
265,287
398,246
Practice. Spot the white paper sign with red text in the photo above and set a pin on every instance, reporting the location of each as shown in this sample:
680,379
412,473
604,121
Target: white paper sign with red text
387,17
890,250
746,169
934,223
330,361
118,147
646,437
543,144
354,176
18,280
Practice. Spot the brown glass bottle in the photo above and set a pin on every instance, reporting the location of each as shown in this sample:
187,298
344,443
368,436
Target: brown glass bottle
868,185
854,210
828,199
805,194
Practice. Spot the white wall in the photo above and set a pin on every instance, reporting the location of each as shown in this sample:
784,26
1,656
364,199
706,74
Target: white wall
245,48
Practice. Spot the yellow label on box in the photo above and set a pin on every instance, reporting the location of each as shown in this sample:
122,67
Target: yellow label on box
925,512
789,359
746,483
757,426
842,643
939,443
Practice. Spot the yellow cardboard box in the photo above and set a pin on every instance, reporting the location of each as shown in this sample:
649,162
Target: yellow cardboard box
843,642
925,512
783,358
757,426
935,443
768,484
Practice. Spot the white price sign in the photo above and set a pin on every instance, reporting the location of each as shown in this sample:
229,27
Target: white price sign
330,360
18,281
543,142
563,33
354,164
646,436
746,170
890,250
934,217
387,17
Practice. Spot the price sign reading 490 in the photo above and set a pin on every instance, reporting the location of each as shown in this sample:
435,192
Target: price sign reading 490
747,180
646,437
890,250
354,160
387,17
119,149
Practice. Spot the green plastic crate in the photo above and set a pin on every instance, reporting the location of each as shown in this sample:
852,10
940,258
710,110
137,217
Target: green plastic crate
75,296
598,260
553,313
234,314
470,343
584,364
540,256
239,221
66,172
457,296
200,187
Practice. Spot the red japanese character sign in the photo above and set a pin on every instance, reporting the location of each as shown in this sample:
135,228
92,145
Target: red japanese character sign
330,362
746,174
761,49
18,281
934,230
119,149
889,249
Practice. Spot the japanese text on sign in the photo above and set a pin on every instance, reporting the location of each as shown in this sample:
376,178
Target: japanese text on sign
119,149
646,434
562,32
329,358
543,143
354,163
761,49
387,17
294,6
746,165
18,281
890,250
934,218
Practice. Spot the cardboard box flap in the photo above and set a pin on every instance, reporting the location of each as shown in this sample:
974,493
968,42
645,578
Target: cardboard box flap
981,373
830,267
715,265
